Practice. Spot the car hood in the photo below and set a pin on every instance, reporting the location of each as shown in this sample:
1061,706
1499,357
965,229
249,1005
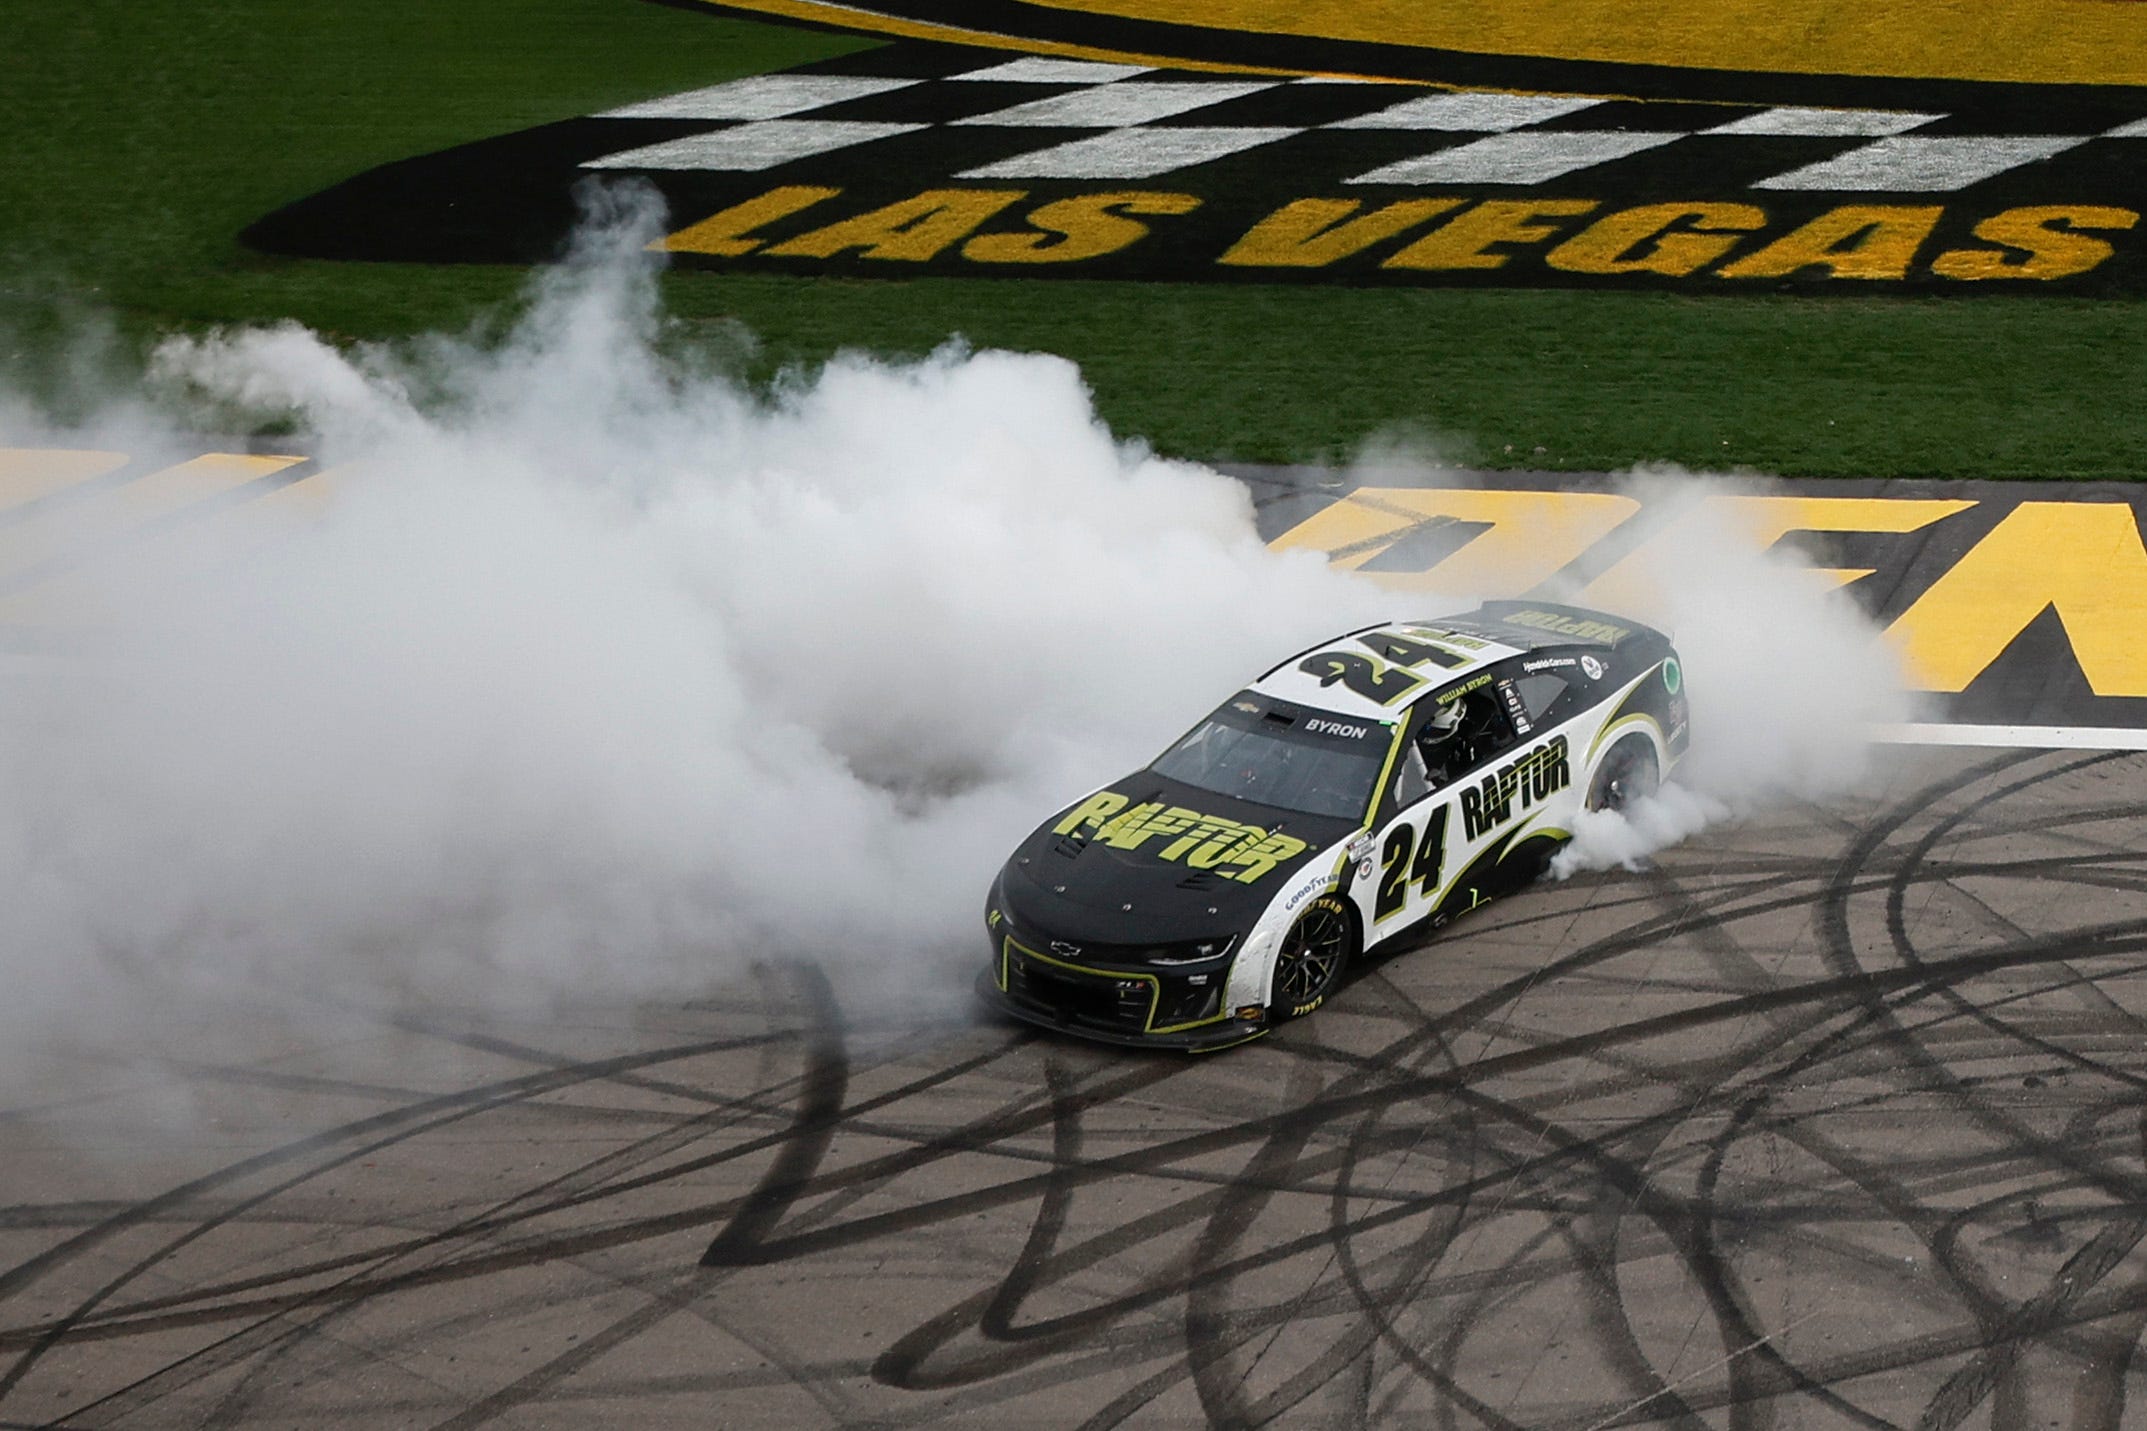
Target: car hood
1149,861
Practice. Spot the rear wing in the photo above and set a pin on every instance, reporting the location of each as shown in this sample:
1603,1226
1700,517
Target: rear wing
1529,624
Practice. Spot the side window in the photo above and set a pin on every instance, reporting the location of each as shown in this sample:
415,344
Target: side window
1554,686
1412,782
1539,693
1451,736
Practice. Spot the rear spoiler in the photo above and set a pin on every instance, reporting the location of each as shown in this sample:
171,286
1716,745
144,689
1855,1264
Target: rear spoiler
1548,621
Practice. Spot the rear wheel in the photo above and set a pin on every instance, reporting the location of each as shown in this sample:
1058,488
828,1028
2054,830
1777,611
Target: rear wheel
1627,775
1314,953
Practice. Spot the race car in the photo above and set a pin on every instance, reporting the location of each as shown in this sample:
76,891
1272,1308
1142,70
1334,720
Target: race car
1368,789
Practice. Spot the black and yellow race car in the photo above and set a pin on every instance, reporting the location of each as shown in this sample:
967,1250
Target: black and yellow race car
1372,787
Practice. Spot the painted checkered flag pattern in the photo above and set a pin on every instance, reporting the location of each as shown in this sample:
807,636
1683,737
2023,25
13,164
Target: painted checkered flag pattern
1053,119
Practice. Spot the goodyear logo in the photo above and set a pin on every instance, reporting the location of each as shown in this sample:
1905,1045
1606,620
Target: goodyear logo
1205,842
930,159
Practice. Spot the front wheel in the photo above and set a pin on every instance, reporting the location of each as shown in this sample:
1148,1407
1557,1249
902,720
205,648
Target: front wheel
1627,775
1314,954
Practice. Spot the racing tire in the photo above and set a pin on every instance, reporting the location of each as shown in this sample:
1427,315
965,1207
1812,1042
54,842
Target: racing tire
1628,775
1313,955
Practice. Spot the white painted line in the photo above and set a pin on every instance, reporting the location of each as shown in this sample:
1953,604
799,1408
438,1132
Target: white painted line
749,147
2137,129
1113,106
2025,737
1036,70
1529,157
1923,165
1129,154
1474,113
761,97
1827,123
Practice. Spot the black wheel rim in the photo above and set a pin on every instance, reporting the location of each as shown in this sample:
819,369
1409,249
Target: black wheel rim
1627,777
1312,954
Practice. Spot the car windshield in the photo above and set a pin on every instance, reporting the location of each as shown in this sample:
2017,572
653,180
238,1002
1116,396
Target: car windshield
1282,756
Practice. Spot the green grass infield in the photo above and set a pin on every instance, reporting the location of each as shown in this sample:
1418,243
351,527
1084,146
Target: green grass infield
144,137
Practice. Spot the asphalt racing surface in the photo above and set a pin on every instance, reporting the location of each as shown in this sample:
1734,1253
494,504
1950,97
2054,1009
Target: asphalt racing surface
1832,1117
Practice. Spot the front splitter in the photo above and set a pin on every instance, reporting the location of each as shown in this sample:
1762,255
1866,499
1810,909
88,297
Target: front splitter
1205,1039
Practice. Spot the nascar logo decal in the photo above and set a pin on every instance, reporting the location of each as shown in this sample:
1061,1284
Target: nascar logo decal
922,158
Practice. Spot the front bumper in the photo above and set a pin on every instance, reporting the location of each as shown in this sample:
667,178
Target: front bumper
1204,1039
1137,1008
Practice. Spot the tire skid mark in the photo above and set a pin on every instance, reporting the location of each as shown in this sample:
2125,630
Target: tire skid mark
2120,937
13,1279
800,1151
1152,1294
406,1123
1759,1371
996,1320
1466,1149
2109,1358
2044,1312
431,1275
1990,1373
492,1224
1915,864
1619,1186
2000,1322
1350,1222
1213,1269
823,1089
265,1340
272,1341
1838,945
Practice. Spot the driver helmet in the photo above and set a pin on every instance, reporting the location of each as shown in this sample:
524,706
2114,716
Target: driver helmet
1444,723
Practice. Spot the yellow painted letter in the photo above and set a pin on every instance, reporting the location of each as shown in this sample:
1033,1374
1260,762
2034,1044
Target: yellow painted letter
724,233
1530,535
1088,227
1312,233
1463,241
913,230
2047,237
1620,242
1853,241
2083,558
1758,523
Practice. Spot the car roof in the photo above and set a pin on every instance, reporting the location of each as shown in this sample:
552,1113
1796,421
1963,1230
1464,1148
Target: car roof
1468,650
1469,641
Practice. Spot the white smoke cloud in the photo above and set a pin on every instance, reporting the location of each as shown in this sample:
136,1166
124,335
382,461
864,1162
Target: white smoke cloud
603,670
1785,675
1624,839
